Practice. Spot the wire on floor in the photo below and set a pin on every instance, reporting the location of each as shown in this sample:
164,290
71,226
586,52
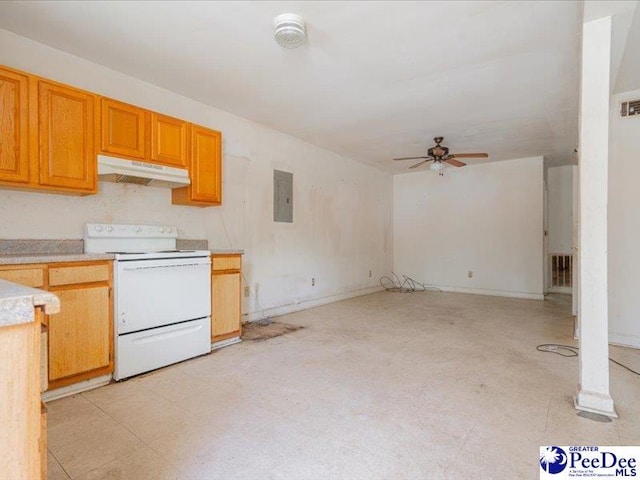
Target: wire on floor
571,351
407,285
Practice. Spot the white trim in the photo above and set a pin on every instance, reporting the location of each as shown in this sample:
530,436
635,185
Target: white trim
594,391
491,293
622,340
305,304
563,290
225,343
76,388
594,402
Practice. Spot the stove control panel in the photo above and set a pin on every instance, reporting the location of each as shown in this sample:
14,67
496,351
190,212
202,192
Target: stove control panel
112,230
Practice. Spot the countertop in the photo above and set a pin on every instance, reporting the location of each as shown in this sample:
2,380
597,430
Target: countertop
19,258
17,303
26,258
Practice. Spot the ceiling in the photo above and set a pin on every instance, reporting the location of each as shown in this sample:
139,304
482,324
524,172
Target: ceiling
375,80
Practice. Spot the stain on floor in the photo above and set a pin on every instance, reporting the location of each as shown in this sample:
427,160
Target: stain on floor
264,330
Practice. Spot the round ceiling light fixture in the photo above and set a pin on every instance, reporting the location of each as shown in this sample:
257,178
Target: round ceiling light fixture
289,30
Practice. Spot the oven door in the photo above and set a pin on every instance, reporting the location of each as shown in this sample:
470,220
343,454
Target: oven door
159,292
150,349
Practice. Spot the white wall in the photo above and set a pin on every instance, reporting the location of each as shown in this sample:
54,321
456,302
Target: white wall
624,224
485,218
342,209
560,208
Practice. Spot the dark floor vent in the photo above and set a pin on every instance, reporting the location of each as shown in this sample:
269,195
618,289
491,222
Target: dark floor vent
561,270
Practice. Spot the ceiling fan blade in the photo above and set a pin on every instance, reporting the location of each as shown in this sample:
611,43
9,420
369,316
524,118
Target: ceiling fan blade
409,158
470,155
419,163
454,162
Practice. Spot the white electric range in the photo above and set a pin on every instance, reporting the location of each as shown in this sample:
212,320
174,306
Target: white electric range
162,296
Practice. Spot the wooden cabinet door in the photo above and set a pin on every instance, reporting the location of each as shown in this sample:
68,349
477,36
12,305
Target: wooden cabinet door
169,141
14,127
205,170
80,335
225,305
66,124
123,129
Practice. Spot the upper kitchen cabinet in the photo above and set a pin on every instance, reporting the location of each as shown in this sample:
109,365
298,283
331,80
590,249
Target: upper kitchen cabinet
51,135
66,123
169,141
205,170
14,127
123,129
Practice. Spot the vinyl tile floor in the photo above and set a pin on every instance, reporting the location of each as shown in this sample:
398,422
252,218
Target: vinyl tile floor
385,386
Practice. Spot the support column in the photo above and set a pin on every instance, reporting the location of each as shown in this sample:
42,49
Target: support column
593,390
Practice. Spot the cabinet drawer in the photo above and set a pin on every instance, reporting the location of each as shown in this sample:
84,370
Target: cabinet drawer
232,262
29,277
78,274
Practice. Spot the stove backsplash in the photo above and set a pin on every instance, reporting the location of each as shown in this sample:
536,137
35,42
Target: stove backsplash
188,244
48,247
40,247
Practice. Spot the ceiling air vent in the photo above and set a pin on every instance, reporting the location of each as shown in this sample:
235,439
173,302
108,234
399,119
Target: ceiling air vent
630,108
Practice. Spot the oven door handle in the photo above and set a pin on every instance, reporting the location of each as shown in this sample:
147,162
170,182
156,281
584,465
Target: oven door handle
158,337
150,267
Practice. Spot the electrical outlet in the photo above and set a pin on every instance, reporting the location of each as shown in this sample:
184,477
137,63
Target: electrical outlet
369,273
313,282
470,274
247,291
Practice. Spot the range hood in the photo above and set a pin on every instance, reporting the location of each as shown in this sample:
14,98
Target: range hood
119,170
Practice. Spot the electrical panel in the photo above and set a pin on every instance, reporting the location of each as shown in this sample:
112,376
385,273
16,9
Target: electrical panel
282,196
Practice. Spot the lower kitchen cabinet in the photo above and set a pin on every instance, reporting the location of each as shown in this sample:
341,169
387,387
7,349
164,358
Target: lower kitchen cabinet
22,445
226,288
80,335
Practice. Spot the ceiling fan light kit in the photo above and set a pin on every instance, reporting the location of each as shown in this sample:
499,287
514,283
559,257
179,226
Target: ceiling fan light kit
289,30
440,155
436,167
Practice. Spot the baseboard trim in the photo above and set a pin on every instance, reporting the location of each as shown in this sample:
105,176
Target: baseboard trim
563,290
490,293
225,343
76,388
306,304
632,341
594,402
